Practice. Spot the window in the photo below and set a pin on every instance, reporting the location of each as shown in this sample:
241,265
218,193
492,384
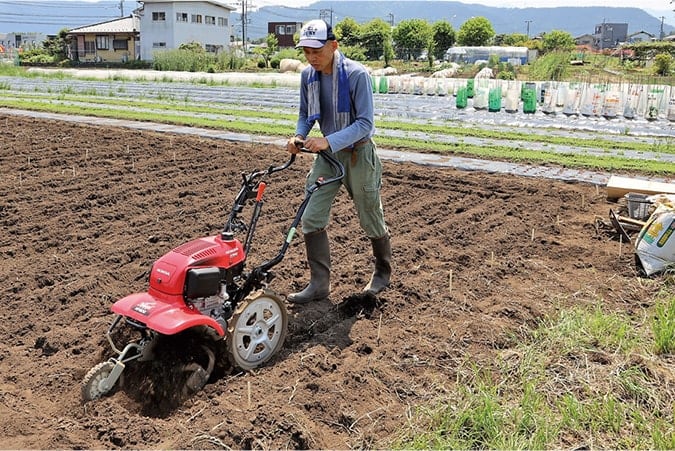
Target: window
196,18
211,48
102,42
181,17
120,44
222,21
158,16
158,45
89,47
209,20
285,29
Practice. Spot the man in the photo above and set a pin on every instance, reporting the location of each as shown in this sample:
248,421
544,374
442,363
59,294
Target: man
337,93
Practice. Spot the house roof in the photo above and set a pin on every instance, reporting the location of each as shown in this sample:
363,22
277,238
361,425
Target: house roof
584,36
213,2
129,24
641,32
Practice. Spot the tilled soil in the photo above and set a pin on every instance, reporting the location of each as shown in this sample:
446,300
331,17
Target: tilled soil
85,210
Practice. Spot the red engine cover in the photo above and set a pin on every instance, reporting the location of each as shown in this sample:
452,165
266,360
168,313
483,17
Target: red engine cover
166,314
162,308
168,273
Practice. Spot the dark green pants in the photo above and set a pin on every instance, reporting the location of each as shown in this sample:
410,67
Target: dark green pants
363,180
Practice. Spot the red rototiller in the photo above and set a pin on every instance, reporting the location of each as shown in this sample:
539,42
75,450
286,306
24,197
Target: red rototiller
202,290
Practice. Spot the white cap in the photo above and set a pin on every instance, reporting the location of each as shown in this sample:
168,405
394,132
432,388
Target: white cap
315,33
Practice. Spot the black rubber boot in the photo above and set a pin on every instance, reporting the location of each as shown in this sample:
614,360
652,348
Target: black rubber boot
382,253
318,258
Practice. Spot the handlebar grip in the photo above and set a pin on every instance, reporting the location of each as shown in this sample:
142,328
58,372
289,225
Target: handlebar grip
328,156
261,190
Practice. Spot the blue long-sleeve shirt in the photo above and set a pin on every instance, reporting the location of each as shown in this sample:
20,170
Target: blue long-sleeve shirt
362,124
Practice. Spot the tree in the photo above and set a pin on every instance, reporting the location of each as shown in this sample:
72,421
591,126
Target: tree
443,36
354,52
348,32
57,47
663,63
376,40
558,40
513,39
266,52
411,37
645,51
533,44
192,46
476,31
388,52
499,40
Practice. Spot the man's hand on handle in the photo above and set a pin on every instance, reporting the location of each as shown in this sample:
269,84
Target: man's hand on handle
312,144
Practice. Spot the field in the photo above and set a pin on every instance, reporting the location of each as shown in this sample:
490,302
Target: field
478,259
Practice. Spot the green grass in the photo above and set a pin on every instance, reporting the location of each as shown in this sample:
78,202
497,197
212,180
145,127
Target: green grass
166,109
584,378
521,155
663,327
165,102
11,70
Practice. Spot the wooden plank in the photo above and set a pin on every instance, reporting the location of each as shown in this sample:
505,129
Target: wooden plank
618,186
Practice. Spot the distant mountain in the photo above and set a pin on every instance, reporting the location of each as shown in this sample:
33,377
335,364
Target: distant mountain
50,17
575,20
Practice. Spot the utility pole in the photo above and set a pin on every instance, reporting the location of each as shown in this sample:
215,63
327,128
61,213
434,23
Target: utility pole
121,7
391,19
244,23
662,34
528,28
324,13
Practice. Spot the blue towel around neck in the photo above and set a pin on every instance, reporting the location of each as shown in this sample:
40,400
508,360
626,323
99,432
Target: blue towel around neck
341,96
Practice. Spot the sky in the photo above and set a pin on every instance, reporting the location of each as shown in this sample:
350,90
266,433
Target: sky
11,18
652,6
648,5
658,5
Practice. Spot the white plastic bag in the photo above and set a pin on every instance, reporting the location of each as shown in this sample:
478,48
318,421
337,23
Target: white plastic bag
655,245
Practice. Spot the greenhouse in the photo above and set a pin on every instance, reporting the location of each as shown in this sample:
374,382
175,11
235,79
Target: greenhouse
514,55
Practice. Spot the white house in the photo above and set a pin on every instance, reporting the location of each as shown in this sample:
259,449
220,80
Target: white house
168,24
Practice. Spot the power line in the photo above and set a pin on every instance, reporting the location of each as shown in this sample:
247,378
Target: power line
327,13
27,13
60,5
49,15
